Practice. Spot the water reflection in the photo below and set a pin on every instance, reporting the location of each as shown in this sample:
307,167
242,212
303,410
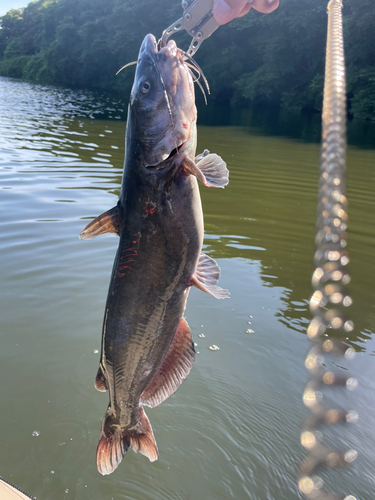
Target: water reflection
283,123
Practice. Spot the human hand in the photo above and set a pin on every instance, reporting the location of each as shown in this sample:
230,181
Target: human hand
226,10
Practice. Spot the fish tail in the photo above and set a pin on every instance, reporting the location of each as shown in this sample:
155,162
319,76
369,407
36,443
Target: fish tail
110,451
141,439
113,446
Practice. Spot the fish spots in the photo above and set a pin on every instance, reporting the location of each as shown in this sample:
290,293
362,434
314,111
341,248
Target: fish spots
185,125
149,208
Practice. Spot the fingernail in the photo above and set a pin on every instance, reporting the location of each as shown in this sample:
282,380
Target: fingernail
222,12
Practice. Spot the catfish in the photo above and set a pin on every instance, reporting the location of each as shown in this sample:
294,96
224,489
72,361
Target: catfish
147,348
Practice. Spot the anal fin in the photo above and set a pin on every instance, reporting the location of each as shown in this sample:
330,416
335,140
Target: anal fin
209,168
174,368
109,222
206,276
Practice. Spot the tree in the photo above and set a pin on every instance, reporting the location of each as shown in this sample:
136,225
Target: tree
275,59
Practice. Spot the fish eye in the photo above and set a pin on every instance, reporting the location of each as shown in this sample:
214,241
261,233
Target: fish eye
144,86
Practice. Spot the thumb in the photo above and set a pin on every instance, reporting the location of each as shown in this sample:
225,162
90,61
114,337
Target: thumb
226,10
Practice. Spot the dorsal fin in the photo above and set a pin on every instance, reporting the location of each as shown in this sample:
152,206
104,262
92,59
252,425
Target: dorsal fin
109,222
206,276
175,367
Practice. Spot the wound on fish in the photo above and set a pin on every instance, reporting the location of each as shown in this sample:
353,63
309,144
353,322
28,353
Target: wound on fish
132,251
149,208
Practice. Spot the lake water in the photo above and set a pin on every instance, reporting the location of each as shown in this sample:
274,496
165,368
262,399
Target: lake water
232,431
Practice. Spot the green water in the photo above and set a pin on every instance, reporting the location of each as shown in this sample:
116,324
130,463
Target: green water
232,430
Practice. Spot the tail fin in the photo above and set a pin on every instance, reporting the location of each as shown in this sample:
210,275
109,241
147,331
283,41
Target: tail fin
142,438
109,452
112,447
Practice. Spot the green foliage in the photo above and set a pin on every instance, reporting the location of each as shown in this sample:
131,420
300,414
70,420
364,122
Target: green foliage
13,48
13,67
38,69
12,23
275,59
362,95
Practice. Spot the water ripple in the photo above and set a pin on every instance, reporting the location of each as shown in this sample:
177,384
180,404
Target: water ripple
231,431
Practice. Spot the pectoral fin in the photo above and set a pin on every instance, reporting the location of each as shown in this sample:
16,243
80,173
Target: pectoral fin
199,157
209,168
109,222
174,368
206,276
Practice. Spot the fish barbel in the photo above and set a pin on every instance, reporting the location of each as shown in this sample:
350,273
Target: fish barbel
147,349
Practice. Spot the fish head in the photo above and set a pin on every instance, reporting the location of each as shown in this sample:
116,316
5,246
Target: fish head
162,113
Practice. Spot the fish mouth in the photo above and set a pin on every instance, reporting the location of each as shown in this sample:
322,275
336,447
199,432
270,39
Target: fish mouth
167,162
178,113
149,47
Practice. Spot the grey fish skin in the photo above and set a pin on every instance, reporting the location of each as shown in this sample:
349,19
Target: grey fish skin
147,350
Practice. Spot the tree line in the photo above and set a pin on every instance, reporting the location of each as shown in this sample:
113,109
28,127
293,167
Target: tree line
275,59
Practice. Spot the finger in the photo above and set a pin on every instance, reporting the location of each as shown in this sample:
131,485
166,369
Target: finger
265,6
226,10
245,10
